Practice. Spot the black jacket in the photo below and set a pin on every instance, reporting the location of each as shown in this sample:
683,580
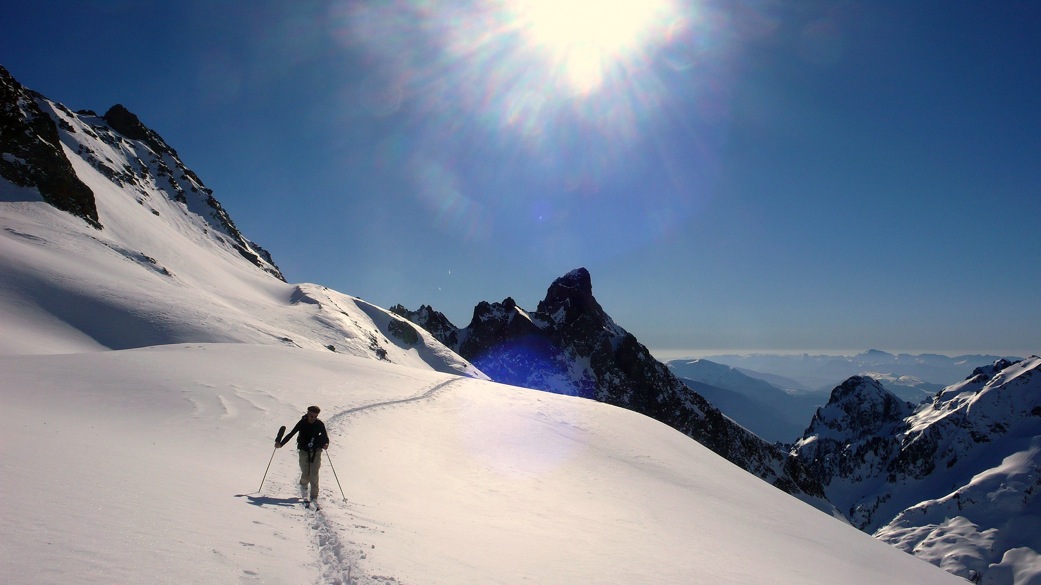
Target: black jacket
312,435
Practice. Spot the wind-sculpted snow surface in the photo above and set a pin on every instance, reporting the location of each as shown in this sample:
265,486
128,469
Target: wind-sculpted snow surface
955,482
153,457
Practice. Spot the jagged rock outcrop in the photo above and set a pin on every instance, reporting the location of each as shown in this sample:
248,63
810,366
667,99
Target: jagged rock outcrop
31,154
569,345
432,321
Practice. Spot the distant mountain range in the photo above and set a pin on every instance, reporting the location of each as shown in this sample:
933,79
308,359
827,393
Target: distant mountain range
914,377
776,406
770,412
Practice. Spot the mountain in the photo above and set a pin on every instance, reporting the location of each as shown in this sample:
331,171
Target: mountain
761,407
569,345
912,377
145,364
955,480
109,241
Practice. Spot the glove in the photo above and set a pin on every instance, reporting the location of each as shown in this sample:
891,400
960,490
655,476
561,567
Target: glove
278,445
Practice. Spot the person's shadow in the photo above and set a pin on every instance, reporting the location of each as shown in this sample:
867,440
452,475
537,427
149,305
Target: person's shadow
269,501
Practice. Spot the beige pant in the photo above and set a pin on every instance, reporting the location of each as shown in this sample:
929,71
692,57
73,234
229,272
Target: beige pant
309,471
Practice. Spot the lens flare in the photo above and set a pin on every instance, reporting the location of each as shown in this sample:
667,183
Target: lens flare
584,38
540,121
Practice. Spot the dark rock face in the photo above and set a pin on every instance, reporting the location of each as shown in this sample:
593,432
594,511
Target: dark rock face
569,345
31,154
433,321
127,123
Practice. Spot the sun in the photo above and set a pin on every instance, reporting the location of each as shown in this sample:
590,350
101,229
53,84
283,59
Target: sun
584,39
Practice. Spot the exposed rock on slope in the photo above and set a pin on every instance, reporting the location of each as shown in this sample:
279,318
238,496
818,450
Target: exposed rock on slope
31,155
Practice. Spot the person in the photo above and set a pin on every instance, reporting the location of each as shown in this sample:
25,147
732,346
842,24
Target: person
311,437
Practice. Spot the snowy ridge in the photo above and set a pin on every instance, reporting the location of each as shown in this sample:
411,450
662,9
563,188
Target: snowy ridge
147,166
955,482
167,264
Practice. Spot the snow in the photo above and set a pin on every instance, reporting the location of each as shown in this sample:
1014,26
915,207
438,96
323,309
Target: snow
143,465
145,368
975,528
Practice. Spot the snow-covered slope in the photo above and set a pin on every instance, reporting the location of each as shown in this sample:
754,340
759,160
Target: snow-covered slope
167,264
955,481
987,433
143,466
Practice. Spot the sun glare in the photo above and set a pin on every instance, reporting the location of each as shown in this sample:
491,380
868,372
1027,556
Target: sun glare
585,38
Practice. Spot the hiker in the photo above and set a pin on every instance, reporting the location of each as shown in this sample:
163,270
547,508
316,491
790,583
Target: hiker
312,437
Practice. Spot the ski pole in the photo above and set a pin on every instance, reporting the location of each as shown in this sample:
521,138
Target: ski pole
278,438
266,470
331,466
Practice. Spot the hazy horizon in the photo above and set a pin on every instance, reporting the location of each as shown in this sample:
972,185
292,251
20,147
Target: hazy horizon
676,354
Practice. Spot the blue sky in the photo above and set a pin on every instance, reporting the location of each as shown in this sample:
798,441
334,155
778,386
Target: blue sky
735,175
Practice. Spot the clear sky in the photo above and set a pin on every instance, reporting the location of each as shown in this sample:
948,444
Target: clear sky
735,175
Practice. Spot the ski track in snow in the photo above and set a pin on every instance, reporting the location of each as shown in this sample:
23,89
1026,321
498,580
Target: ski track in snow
338,559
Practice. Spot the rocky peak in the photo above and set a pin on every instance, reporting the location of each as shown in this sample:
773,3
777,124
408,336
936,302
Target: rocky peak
570,297
876,455
852,438
128,124
183,185
435,322
34,129
859,407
